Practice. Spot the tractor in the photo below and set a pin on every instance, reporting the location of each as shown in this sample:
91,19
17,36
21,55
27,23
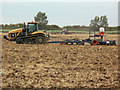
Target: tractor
29,34
65,31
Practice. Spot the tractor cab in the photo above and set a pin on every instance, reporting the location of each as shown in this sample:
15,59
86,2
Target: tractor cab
32,27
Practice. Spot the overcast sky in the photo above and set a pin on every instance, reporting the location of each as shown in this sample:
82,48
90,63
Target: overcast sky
60,13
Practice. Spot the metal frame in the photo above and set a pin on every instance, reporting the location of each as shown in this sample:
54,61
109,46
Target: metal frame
89,40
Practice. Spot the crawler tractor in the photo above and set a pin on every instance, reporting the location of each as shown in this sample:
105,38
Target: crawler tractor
29,34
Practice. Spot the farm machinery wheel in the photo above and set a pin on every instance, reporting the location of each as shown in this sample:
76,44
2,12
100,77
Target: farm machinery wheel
63,33
40,40
110,43
94,42
63,43
81,43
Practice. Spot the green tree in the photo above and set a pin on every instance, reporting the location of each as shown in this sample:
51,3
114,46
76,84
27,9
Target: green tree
103,21
42,19
98,22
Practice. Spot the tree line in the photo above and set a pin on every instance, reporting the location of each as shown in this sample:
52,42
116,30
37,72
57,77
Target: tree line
41,17
21,25
56,27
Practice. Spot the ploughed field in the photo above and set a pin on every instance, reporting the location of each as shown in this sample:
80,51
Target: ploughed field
59,66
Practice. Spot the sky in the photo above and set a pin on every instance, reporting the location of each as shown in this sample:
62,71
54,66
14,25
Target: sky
59,13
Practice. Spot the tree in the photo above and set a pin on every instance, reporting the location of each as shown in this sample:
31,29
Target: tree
98,22
53,27
103,21
21,25
42,19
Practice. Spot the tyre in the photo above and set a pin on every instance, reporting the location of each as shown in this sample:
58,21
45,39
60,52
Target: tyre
63,43
40,40
94,42
63,33
81,43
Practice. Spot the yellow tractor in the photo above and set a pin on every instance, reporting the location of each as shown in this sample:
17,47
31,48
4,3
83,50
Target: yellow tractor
29,34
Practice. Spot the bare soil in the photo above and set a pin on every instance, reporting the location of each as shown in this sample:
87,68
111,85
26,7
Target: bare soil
60,66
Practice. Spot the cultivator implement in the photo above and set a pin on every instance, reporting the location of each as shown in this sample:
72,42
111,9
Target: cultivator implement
67,42
96,40
82,42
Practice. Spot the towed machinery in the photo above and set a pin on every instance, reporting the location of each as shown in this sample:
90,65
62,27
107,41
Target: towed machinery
94,39
29,34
